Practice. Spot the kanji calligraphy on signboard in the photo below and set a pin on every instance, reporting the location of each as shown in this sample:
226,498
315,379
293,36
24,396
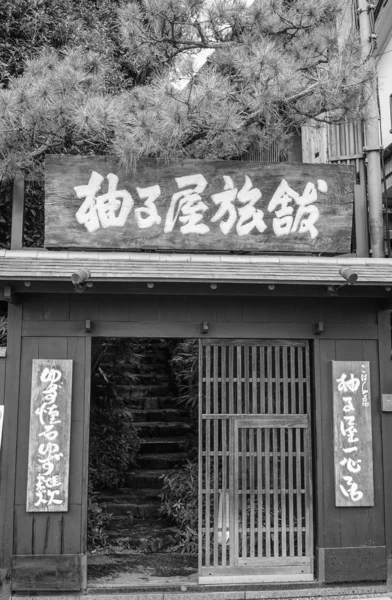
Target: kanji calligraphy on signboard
352,433
49,440
198,205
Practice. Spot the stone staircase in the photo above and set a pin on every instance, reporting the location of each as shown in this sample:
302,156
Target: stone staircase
163,427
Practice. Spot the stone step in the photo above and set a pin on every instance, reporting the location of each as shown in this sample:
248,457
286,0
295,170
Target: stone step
162,461
124,495
147,478
143,535
152,402
134,510
162,445
160,429
146,378
159,414
140,390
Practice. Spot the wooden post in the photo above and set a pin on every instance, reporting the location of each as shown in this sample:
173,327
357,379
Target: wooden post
360,212
8,452
384,345
17,215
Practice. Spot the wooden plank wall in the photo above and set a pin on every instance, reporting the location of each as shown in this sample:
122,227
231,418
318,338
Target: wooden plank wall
42,534
54,326
347,527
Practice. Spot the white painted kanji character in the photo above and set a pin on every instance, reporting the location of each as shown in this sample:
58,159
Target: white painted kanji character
355,493
50,433
225,201
249,216
114,207
350,430
344,491
307,214
189,204
348,386
51,453
52,375
348,404
52,500
87,214
350,449
40,490
53,481
147,215
40,484
352,465
41,498
283,196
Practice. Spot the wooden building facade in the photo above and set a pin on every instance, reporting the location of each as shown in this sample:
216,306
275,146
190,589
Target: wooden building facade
274,331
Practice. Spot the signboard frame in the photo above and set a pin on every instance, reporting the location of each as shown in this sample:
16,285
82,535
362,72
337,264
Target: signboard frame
198,205
49,437
353,451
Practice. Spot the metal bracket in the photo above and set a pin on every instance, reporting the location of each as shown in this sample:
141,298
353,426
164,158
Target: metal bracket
375,149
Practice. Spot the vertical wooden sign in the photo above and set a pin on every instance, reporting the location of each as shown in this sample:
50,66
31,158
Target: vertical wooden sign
49,440
1,423
353,452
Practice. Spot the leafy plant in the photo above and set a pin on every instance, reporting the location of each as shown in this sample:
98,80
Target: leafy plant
114,439
184,363
98,517
180,503
114,443
3,330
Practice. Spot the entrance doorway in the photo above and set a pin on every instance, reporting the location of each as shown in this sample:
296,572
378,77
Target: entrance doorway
255,487
143,463
237,412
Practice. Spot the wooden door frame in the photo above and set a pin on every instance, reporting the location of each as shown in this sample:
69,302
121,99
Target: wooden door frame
309,510
85,459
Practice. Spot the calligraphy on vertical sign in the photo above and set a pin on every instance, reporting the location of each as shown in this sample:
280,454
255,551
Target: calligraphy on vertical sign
1,422
353,452
49,440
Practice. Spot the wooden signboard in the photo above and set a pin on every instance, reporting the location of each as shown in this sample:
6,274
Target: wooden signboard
199,205
353,452
1,423
49,441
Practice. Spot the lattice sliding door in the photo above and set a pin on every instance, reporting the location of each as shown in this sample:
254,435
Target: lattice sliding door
255,489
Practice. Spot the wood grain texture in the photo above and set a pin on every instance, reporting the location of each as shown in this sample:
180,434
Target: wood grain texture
9,450
1,423
258,519
353,449
384,351
335,206
46,573
49,439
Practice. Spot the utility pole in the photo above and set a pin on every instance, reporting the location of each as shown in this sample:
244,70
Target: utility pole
372,139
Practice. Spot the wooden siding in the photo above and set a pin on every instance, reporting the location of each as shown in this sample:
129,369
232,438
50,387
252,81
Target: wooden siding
54,326
40,534
341,527
8,451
